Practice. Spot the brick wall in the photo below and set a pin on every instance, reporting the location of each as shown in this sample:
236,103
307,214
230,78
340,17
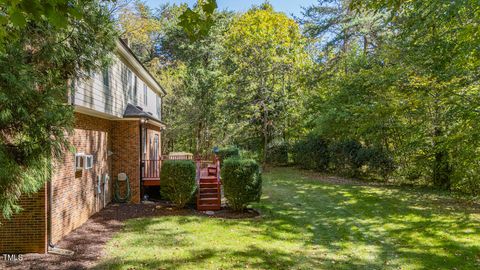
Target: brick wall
75,196
126,154
27,231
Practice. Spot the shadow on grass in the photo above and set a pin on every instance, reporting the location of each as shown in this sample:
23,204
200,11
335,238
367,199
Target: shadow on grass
307,224
195,256
399,225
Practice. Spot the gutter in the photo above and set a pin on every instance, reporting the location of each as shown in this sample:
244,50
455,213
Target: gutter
142,162
49,215
51,248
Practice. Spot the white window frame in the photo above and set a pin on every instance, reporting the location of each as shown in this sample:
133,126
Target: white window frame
79,161
88,162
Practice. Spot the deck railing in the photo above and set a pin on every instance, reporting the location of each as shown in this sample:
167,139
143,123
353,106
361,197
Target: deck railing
177,157
151,169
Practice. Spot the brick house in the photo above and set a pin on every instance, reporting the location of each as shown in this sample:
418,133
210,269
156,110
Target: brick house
117,130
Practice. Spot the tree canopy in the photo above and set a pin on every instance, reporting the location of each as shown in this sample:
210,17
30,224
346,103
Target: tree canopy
39,54
371,88
389,87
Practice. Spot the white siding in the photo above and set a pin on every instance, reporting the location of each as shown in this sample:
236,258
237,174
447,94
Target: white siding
110,92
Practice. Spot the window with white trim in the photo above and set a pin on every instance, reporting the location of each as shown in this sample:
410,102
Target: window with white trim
79,161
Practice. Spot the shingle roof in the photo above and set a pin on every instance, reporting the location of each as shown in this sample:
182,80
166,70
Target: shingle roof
133,111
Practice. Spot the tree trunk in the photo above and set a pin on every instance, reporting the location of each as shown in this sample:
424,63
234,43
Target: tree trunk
441,164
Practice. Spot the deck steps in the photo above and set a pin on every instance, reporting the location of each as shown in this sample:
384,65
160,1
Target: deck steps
209,194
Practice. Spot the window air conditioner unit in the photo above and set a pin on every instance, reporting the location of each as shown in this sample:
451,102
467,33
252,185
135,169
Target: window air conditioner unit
79,161
88,162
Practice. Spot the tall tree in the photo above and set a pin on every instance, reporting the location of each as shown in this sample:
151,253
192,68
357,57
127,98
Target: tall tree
185,45
201,58
416,92
40,53
265,52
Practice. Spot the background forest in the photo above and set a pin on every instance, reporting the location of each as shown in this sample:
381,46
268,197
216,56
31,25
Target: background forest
374,89
378,89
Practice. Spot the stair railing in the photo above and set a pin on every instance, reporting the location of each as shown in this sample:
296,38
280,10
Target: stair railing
217,164
198,163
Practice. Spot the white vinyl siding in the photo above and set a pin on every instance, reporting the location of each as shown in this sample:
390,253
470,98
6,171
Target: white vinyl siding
112,89
145,91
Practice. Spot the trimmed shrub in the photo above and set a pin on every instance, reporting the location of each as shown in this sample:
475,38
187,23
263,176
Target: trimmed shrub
178,181
228,152
312,153
345,159
378,161
348,158
277,153
242,182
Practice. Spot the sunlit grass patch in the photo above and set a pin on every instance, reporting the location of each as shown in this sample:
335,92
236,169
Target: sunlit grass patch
307,224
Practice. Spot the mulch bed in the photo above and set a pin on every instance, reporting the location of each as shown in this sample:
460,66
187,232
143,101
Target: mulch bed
88,241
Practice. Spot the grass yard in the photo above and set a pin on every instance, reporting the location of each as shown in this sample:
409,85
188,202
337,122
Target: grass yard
308,224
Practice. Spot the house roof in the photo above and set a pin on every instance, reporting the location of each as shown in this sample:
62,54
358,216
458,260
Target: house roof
133,111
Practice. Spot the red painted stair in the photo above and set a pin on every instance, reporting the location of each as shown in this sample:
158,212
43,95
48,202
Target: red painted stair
209,195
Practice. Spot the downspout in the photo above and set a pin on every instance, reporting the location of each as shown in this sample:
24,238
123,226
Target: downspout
142,162
71,102
50,246
49,215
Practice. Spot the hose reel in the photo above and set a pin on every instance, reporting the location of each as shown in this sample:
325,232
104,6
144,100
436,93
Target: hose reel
122,177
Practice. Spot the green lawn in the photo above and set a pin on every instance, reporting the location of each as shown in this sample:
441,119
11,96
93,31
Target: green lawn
308,224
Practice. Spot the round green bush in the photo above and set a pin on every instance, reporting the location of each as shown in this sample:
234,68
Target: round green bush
312,153
178,181
242,182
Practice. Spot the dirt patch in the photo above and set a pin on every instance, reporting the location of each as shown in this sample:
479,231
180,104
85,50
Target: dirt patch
228,213
341,181
88,241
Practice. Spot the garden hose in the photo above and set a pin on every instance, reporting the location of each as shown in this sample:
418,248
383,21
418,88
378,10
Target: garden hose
119,198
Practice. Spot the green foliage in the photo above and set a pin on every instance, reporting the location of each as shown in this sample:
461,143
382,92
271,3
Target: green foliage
378,161
264,53
312,153
187,64
197,23
242,182
18,14
346,157
397,77
225,153
277,153
178,181
36,62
